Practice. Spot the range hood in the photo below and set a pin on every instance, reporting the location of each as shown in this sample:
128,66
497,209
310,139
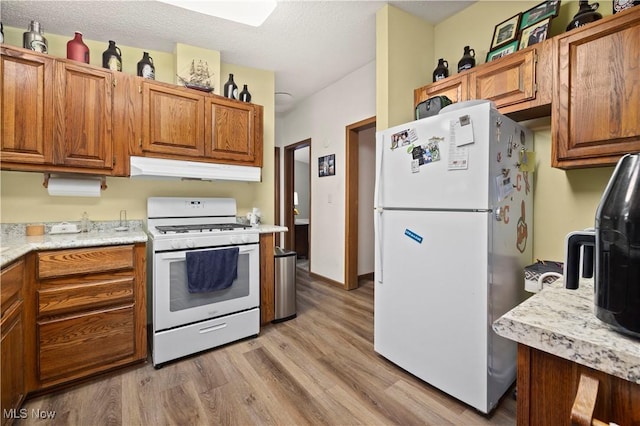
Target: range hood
145,167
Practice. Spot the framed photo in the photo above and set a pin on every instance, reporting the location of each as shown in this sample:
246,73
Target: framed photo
327,165
505,32
534,34
546,9
502,51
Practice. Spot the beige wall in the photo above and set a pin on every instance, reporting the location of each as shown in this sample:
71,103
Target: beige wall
24,199
564,200
404,53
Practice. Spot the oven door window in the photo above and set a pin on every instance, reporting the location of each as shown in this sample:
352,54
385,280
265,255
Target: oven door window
180,298
174,306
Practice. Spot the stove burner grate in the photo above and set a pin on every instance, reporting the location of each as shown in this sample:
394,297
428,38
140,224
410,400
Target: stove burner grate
207,227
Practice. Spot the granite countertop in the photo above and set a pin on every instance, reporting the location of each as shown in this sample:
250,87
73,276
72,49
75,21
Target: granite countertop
16,244
562,322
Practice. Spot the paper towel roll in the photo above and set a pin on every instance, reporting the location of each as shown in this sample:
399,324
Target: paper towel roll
78,187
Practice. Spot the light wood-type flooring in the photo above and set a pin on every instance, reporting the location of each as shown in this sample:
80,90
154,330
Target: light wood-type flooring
319,368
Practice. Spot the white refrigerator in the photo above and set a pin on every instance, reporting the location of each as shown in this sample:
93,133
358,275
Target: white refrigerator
453,233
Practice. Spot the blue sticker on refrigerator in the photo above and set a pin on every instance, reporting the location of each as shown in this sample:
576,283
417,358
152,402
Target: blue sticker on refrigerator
413,236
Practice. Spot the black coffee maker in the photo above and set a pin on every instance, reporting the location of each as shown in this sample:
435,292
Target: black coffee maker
612,250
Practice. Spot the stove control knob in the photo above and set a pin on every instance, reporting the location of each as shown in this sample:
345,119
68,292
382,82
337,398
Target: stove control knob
235,240
245,238
175,244
191,244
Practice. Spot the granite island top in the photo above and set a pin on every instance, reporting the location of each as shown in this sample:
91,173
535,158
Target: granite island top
563,323
16,244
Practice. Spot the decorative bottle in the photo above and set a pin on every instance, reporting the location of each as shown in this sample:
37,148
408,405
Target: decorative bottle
245,96
586,13
230,88
468,59
34,38
77,50
441,71
620,5
146,68
112,58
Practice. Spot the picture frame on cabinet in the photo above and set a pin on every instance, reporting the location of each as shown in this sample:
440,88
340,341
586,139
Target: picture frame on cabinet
501,51
546,9
506,32
327,165
535,33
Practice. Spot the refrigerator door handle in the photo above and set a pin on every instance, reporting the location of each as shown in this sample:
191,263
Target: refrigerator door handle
377,184
377,225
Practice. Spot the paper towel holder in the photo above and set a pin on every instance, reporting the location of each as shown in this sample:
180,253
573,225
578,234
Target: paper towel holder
103,180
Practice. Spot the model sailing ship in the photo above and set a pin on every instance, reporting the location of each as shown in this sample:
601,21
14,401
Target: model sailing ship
199,76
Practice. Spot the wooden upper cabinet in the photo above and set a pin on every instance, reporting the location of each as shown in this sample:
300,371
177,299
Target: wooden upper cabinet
455,88
83,116
596,107
507,81
233,132
27,107
520,84
172,120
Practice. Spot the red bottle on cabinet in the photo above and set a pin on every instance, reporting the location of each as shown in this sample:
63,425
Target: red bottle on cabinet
77,50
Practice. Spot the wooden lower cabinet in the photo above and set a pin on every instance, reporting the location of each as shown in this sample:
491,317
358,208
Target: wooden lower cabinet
547,387
88,313
267,277
12,346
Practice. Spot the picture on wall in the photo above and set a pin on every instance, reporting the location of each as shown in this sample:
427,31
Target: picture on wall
327,165
505,32
546,9
536,33
502,51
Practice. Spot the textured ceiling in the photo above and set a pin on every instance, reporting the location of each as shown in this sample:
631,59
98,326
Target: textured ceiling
308,44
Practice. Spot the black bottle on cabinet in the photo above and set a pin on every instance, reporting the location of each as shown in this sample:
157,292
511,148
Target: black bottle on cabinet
230,88
245,96
441,71
146,68
468,59
112,57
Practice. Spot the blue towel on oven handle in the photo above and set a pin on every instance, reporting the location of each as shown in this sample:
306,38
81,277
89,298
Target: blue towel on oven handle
211,270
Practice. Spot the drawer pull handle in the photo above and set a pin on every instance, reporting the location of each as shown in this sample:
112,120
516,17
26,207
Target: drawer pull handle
212,328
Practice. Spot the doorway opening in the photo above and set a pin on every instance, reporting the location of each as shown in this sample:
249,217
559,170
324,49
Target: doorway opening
297,200
357,214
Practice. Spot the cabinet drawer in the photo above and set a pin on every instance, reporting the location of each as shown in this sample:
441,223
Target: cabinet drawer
61,263
11,279
89,294
85,342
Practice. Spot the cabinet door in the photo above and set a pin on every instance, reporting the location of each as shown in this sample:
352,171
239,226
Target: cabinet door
455,88
12,360
506,81
27,107
83,116
233,131
12,353
172,120
596,104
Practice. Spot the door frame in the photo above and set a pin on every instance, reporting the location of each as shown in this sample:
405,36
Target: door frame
351,201
289,174
276,189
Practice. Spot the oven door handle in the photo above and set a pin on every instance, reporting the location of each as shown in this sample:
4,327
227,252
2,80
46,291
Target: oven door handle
181,255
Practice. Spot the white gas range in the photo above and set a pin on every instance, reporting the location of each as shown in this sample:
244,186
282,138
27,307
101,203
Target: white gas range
204,276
